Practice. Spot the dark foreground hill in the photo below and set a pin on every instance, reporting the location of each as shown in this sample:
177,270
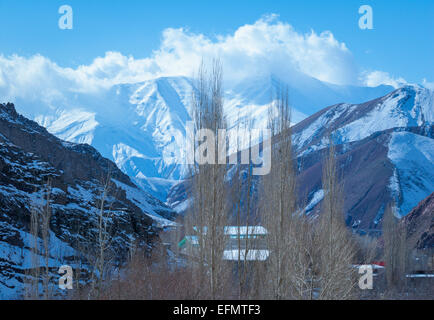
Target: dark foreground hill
33,163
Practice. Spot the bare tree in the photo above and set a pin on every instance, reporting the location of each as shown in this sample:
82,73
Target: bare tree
100,257
45,230
208,215
278,205
35,269
245,211
40,217
395,249
335,248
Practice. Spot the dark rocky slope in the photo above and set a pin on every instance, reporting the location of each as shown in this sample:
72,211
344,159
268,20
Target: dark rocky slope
420,224
30,158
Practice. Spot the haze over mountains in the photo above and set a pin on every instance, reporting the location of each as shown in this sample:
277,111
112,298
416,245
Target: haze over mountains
141,126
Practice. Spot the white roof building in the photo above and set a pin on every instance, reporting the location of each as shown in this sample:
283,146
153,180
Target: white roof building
256,250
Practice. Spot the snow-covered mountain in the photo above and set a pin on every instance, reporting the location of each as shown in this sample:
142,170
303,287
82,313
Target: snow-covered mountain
409,106
391,165
141,126
409,151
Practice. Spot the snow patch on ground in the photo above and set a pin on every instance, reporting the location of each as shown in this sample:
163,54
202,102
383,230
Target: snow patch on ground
140,199
181,206
316,198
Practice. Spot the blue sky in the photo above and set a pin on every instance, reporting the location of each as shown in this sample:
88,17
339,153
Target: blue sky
401,44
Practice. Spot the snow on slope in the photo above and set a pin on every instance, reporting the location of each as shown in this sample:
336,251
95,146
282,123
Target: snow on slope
75,125
412,155
143,202
10,286
316,198
409,106
316,128
413,158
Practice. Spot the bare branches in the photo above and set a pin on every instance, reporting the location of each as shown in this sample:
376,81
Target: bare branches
335,249
40,217
209,211
104,238
279,202
395,249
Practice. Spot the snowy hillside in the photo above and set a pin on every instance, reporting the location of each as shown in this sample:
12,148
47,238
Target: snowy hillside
413,177
141,126
411,154
409,106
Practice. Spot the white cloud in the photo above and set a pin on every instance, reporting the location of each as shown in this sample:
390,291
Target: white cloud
267,46
264,47
376,78
429,85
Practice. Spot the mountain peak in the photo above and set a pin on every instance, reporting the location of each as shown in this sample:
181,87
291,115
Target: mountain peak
9,107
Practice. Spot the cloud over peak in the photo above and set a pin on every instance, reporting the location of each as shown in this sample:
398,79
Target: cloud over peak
268,46
376,78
